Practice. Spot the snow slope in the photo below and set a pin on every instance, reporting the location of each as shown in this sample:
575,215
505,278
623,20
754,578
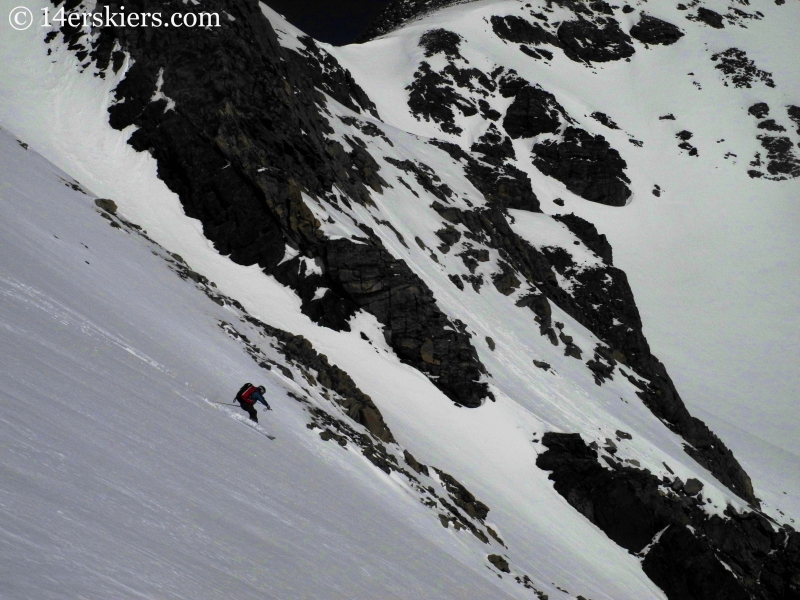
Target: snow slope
120,476
317,509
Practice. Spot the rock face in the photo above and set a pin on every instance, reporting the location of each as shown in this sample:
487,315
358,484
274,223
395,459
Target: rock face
587,165
687,553
650,30
534,111
589,42
418,331
710,17
588,234
515,29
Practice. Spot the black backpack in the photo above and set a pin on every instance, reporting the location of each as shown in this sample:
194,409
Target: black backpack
242,390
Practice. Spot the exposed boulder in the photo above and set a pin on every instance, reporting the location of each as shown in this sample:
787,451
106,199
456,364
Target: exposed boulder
500,563
650,30
692,487
710,17
759,110
107,205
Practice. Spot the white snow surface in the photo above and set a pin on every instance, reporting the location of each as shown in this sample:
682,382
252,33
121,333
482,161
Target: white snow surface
121,480
121,477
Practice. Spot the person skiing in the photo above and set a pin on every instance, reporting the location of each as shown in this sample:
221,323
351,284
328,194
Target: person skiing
247,397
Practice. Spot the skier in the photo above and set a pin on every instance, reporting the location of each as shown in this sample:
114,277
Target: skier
247,397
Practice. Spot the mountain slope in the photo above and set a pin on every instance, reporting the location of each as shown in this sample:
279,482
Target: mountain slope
375,205
123,477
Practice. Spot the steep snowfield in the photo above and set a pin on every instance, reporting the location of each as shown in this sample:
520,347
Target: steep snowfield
122,479
164,495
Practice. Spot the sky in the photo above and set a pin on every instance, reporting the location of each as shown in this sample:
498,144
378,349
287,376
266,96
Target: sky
337,22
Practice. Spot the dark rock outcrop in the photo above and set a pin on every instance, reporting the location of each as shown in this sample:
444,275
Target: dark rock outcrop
771,125
587,165
794,115
433,97
440,41
739,70
500,563
759,110
533,112
710,17
414,326
248,140
502,184
587,41
650,30
329,76
588,234
783,161
689,554
494,147
462,509
517,30
605,120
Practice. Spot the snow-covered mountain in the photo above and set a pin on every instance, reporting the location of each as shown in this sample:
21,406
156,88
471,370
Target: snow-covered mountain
452,254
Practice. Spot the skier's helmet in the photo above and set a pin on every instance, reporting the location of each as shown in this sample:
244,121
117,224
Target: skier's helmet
261,389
